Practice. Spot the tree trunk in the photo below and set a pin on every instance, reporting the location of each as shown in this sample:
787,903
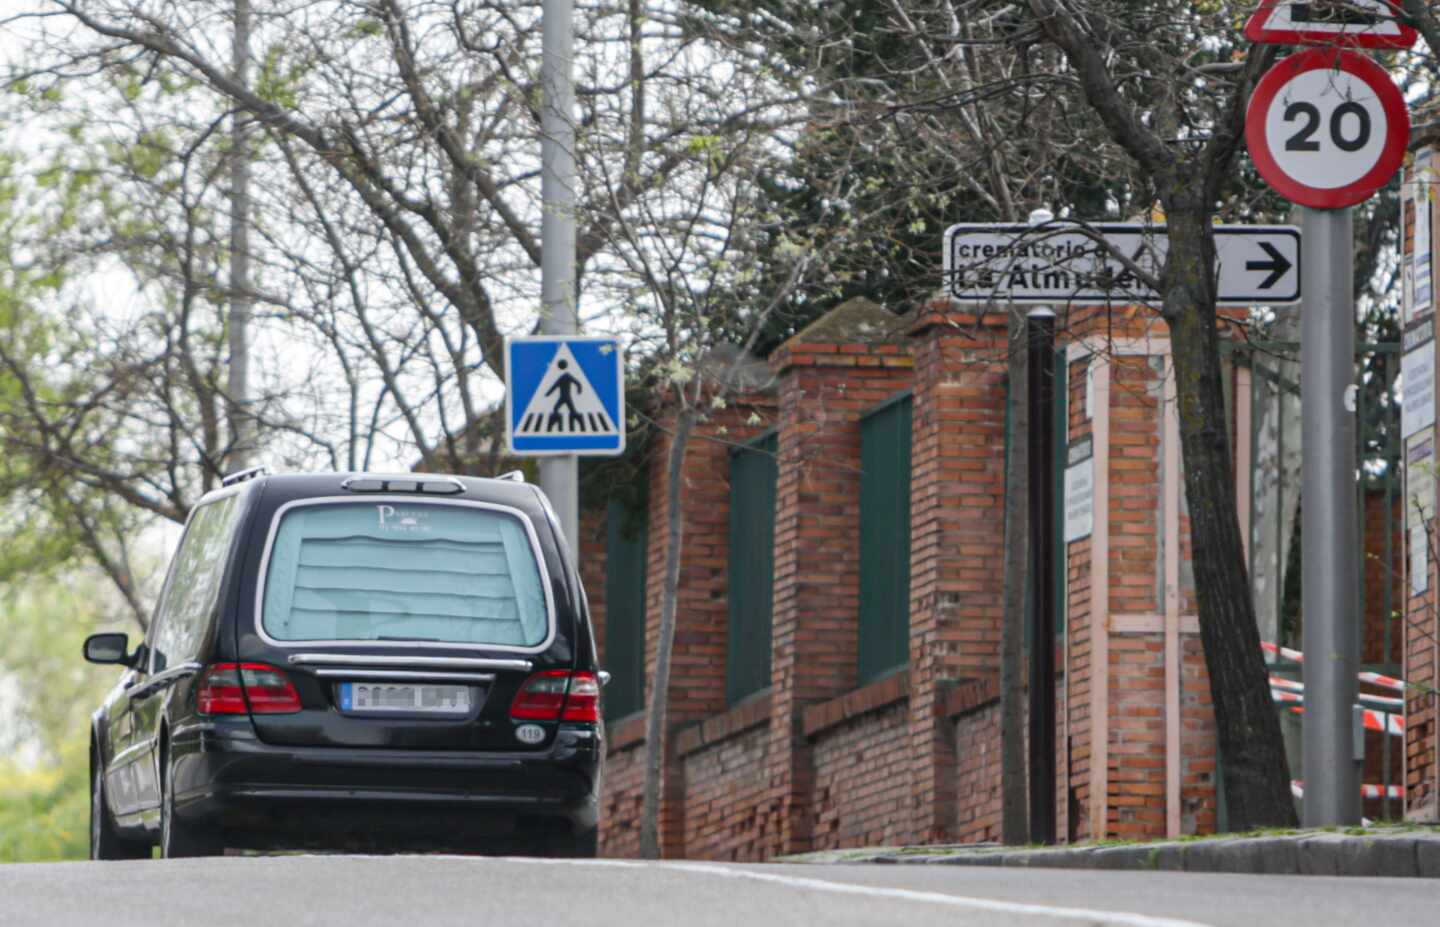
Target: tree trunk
659,689
1014,807
1257,777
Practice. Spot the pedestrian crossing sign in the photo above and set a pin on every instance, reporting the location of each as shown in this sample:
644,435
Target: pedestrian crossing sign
564,394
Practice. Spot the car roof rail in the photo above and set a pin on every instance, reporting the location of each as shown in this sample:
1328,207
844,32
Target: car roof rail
514,476
240,476
425,483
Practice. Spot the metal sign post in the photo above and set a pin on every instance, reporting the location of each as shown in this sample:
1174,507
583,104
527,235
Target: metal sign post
1326,128
559,476
1040,341
1329,573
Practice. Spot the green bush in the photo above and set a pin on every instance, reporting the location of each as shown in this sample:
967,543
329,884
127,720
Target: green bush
45,812
47,692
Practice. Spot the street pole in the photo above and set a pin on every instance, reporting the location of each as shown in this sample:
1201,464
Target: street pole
237,382
1040,326
559,476
1329,572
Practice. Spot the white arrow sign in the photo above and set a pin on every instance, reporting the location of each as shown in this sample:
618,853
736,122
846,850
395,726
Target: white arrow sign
1065,263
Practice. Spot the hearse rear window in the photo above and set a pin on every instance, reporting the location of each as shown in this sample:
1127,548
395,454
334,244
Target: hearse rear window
399,571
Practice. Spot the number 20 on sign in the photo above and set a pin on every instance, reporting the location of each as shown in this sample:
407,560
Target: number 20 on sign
1327,128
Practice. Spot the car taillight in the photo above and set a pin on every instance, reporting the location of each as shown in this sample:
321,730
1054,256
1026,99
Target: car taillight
583,701
235,688
558,695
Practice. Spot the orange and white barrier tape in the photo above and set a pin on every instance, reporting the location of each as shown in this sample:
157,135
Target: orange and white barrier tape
1379,721
1385,682
1295,656
1379,702
1297,788
1284,653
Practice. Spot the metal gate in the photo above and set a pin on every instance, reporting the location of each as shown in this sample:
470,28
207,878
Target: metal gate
1277,519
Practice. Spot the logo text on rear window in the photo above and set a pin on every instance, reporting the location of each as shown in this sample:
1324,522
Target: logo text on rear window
403,520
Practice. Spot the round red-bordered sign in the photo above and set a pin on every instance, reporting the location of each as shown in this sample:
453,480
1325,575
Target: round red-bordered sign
1327,128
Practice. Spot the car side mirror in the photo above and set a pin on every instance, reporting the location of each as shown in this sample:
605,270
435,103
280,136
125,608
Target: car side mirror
604,678
109,647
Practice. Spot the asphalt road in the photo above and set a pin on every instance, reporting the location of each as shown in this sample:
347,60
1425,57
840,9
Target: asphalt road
409,891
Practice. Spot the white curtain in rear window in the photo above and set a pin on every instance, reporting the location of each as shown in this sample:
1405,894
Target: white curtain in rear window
403,571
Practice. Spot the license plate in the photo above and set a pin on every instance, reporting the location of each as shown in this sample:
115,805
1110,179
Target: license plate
376,697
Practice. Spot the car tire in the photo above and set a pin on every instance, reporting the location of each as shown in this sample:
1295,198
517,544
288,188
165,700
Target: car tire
179,839
105,839
583,845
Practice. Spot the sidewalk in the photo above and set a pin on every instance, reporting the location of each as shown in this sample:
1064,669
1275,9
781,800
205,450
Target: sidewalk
1380,851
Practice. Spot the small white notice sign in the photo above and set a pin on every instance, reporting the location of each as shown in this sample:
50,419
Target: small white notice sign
1079,491
1422,297
1419,561
1420,505
1417,378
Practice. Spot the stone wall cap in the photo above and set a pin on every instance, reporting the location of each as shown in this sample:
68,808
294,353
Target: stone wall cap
855,321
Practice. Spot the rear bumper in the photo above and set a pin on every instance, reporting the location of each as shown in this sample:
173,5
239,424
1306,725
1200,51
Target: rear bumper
265,795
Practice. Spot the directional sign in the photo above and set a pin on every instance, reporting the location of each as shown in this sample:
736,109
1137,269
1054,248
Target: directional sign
1327,128
1354,23
564,394
1068,263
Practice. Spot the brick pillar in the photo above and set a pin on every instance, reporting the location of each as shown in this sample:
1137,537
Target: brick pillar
957,540
697,668
825,389
1139,757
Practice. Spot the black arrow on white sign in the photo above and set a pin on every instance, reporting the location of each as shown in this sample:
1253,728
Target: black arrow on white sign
1065,263
1277,264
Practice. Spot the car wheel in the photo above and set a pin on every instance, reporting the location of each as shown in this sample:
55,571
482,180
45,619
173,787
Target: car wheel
573,846
105,841
178,838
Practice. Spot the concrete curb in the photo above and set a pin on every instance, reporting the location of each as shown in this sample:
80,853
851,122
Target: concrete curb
1395,854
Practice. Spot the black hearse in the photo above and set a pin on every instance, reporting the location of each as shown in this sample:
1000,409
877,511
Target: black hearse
356,661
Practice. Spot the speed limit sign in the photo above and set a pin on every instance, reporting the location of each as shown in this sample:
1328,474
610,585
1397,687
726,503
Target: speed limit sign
1327,128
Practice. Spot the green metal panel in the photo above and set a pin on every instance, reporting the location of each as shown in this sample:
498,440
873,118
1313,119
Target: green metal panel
624,611
753,473
885,540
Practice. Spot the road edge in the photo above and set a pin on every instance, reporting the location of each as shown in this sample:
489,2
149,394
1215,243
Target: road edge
1411,854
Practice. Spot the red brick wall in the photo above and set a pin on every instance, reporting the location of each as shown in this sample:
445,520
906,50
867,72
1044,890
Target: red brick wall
957,541
1136,804
820,764
624,780
863,794
1422,799
697,682
1074,775
1133,627
825,390
1199,742
1136,753
978,781
728,812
